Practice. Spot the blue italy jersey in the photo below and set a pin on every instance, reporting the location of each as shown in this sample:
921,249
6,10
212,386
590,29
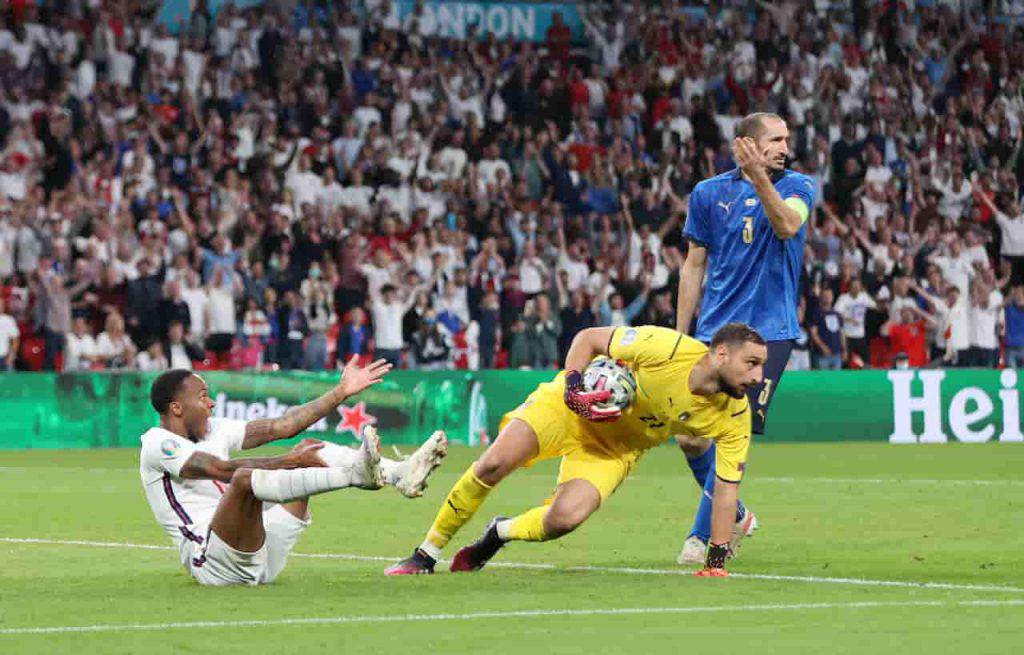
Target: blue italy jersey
752,275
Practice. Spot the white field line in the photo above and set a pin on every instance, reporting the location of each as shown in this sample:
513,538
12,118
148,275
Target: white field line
403,618
862,582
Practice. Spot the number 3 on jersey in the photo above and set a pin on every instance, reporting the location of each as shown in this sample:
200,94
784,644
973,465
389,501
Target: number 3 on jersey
748,229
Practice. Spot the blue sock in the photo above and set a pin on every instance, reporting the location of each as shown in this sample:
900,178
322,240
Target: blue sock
702,520
701,465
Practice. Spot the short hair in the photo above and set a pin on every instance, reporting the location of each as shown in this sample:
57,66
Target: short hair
165,388
732,334
752,125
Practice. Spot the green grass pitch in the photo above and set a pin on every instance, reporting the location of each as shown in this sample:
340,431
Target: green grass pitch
836,519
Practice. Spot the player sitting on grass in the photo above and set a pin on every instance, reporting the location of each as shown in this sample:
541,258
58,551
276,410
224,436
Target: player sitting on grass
235,520
683,388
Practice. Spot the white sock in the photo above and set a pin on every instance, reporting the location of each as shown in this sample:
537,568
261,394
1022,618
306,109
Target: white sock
335,455
430,549
503,527
285,485
343,456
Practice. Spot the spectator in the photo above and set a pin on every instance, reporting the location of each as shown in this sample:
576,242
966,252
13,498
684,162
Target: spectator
520,352
179,350
431,344
173,308
800,357
80,351
985,324
544,328
852,307
294,330
56,296
321,317
9,338
1014,321
220,315
255,323
489,337
908,335
114,347
827,335
387,311
143,304
612,312
353,337
152,358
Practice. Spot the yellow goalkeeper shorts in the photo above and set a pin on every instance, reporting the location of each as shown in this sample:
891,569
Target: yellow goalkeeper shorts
561,433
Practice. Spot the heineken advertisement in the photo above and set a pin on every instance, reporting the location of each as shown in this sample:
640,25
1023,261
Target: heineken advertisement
45,410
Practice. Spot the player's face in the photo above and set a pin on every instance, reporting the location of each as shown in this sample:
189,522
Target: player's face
741,367
196,405
773,141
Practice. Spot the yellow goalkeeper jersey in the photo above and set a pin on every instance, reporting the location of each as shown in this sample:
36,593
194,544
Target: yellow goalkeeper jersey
661,360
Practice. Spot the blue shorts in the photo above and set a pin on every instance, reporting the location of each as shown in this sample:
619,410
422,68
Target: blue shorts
761,395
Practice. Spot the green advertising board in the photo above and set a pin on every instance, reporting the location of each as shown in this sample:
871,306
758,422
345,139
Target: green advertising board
96,410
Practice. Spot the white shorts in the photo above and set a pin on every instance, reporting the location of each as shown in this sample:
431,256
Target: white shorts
217,564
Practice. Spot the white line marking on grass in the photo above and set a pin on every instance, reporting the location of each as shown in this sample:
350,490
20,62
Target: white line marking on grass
401,618
864,582
77,542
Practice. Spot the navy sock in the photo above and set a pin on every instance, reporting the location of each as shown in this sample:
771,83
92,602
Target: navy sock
701,465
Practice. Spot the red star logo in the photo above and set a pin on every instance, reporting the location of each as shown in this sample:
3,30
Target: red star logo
354,419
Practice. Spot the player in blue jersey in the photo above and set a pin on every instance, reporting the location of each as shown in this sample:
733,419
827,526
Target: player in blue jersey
746,231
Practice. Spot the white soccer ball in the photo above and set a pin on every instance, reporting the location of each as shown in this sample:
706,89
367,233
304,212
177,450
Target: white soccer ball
615,376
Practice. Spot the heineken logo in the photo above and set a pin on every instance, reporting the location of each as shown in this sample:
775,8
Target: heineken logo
971,415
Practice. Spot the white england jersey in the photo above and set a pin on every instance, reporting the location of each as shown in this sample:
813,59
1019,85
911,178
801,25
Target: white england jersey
184,508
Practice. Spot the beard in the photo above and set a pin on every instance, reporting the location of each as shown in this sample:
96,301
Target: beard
730,389
776,165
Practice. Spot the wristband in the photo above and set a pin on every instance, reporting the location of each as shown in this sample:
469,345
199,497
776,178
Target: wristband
717,553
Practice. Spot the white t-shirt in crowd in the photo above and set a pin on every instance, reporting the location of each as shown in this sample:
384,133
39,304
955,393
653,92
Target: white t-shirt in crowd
982,325
197,300
387,324
77,351
853,309
531,275
8,333
222,311
578,271
1013,235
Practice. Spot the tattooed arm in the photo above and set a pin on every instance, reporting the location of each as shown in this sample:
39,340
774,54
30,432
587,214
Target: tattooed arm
204,466
353,380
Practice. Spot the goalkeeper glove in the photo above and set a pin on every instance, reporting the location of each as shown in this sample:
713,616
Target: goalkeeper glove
584,403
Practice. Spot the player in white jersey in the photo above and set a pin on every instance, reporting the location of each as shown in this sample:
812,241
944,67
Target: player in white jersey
235,520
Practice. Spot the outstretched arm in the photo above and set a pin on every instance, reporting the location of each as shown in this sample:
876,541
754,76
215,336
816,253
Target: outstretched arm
204,466
354,379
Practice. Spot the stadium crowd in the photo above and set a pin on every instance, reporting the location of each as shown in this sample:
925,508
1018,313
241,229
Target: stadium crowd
306,181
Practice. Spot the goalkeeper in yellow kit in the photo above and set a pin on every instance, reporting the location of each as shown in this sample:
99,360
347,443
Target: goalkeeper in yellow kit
683,387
